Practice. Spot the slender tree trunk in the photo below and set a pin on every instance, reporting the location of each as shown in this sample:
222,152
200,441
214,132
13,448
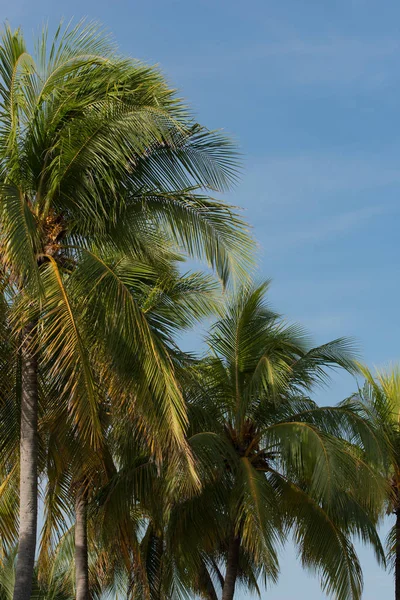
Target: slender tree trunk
397,563
232,567
28,467
81,547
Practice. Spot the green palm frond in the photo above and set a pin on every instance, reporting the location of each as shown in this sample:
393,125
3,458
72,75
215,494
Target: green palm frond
288,465
325,548
128,339
67,352
258,520
19,234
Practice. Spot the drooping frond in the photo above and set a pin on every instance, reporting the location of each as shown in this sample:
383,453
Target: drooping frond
67,352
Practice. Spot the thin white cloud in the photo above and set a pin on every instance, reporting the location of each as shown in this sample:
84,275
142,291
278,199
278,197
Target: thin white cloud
310,199
330,325
331,60
311,177
324,229
301,61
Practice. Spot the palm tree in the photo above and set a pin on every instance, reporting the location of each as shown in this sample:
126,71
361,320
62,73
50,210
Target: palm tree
100,167
73,470
380,397
146,475
273,462
56,587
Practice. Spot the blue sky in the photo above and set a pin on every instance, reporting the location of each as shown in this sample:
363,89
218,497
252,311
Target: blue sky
311,92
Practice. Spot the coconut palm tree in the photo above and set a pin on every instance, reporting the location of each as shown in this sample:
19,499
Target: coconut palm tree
291,466
75,473
380,397
273,461
147,475
56,587
98,161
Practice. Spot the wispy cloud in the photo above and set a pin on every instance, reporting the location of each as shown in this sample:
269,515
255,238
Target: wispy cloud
334,60
311,177
301,61
329,324
295,201
323,230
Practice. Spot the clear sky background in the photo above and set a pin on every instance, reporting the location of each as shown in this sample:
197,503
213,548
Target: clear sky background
311,91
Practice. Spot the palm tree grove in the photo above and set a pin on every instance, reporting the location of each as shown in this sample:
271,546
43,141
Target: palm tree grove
131,466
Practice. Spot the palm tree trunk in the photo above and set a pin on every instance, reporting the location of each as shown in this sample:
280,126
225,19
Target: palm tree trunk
81,547
28,467
232,567
397,562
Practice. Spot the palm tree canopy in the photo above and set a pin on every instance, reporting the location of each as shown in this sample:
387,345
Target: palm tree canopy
285,464
104,177
105,182
97,147
379,396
